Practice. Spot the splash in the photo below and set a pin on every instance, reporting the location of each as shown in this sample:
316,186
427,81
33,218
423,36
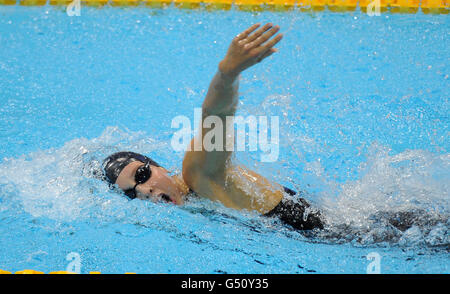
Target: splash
65,184
395,199
399,199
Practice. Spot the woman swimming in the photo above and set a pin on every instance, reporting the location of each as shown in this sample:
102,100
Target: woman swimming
211,174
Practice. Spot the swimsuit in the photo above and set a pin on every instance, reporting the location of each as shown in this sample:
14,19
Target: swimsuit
293,213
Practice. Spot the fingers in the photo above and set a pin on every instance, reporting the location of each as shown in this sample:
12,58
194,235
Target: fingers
245,33
256,43
263,38
271,43
267,54
259,32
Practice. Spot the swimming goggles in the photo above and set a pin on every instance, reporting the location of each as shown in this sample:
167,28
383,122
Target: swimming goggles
143,173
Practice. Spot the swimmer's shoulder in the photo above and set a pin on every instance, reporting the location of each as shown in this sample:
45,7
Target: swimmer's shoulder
237,187
263,194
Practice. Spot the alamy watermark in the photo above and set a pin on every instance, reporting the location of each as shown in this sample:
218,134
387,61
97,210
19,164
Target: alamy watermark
221,135
75,262
373,9
74,8
374,267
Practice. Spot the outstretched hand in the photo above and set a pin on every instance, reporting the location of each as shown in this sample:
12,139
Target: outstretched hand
250,47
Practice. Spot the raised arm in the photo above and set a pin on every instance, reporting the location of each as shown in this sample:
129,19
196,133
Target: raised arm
247,48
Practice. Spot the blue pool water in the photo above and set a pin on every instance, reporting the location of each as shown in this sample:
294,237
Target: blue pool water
363,105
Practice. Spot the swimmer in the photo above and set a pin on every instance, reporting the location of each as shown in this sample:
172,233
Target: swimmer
211,174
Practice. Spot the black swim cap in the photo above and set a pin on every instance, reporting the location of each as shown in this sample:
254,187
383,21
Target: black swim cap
116,162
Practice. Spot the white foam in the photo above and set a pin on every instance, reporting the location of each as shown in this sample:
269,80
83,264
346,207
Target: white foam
413,181
60,184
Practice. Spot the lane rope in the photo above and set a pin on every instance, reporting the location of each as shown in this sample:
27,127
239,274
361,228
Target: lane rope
393,6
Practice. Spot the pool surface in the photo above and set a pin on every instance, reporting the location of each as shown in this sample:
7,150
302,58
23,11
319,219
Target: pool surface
364,114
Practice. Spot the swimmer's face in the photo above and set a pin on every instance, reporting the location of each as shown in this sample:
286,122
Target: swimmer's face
159,187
